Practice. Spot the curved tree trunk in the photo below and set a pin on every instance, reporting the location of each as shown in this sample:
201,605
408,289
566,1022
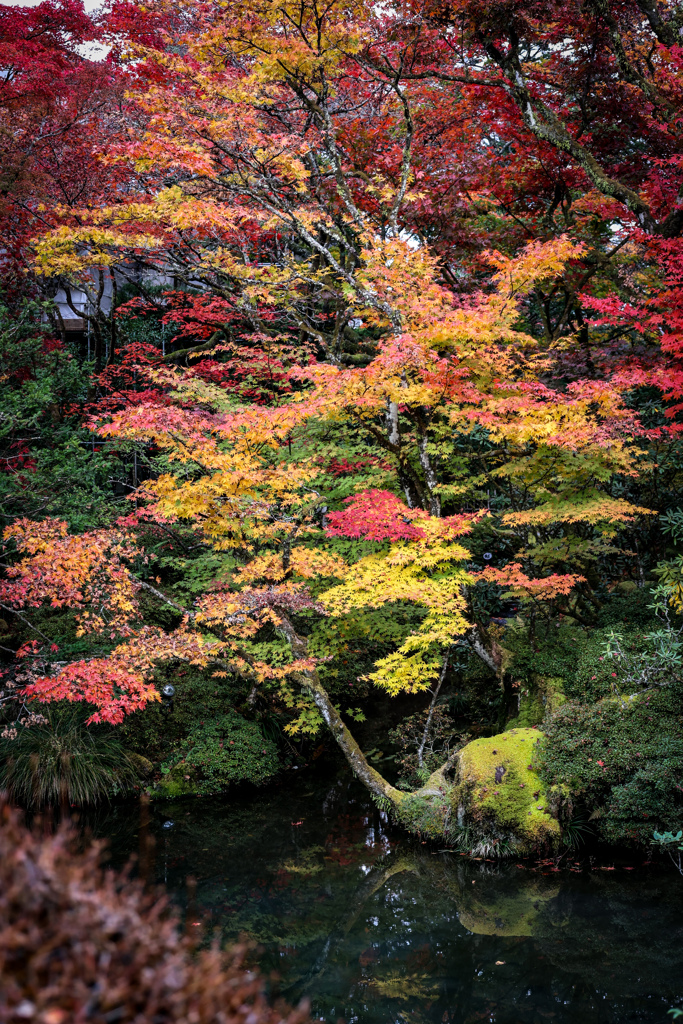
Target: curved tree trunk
310,682
440,807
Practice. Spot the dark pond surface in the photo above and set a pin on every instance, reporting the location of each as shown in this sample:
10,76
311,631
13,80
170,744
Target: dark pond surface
375,928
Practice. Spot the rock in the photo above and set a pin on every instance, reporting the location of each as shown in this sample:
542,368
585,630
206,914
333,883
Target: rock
142,765
498,791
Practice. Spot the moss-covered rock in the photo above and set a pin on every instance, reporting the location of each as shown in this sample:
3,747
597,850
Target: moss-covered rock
541,696
142,765
497,787
176,782
426,812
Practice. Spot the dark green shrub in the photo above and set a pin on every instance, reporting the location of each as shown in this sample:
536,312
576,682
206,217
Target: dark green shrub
579,657
217,752
200,739
551,650
621,757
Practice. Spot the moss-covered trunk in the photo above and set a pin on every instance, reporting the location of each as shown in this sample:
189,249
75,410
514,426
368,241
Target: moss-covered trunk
309,681
486,798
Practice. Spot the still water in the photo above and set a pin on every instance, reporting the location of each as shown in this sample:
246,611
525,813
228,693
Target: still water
376,928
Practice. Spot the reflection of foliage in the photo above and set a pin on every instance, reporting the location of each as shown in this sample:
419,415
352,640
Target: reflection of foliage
397,984
386,914
602,940
493,907
307,863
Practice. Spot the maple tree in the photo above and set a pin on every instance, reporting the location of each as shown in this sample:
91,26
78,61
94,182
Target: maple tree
226,473
426,303
55,109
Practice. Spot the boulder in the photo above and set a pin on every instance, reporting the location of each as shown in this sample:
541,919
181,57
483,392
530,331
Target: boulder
498,793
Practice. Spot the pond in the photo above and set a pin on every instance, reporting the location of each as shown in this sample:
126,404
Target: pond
374,927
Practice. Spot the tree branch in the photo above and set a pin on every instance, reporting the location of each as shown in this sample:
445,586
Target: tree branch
309,681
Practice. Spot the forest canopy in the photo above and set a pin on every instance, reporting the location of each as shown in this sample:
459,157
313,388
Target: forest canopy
342,391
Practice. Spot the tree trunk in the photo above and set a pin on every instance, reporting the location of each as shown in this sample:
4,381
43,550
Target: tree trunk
440,807
309,681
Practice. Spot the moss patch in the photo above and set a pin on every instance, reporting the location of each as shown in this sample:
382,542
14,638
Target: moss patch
544,695
498,783
425,813
175,783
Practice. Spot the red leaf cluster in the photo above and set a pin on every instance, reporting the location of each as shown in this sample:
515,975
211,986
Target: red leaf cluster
114,690
375,515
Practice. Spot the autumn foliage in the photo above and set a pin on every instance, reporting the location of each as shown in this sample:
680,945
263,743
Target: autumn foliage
402,329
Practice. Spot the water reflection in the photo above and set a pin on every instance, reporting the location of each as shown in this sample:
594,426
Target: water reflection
375,928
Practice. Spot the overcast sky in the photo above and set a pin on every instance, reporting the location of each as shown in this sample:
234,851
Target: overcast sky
89,50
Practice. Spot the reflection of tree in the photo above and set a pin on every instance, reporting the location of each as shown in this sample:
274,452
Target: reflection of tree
592,942
413,939
372,883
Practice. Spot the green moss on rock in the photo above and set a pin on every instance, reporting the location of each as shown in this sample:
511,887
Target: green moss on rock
542,696
142,765
426,812
176,783
497,784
